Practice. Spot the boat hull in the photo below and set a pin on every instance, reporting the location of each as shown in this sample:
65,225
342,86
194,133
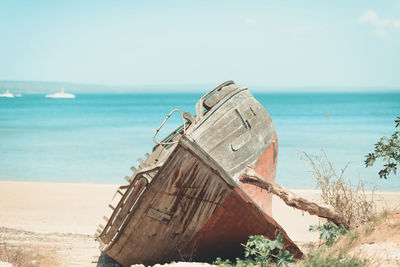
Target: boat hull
185,201
192,210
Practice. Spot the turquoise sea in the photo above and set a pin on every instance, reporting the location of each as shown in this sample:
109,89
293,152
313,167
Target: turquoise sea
97,137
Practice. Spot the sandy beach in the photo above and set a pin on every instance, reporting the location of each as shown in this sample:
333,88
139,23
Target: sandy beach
65,216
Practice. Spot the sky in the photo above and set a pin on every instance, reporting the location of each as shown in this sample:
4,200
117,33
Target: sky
269,43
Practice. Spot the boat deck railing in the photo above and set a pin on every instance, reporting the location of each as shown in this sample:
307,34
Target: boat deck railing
126,205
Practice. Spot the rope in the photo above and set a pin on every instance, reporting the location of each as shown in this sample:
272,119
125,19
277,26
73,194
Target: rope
162,124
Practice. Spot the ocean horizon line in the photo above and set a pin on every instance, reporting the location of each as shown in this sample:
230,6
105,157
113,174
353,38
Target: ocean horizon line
201,93
44,87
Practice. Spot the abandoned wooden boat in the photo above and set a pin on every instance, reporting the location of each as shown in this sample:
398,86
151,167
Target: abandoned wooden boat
185,201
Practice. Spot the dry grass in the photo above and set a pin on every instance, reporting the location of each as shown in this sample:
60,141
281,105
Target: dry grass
374,240
352,203
25,256
370,244
377,219
47,249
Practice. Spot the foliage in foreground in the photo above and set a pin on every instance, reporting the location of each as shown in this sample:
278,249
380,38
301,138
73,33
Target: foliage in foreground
260,251
329,233
336,190
389,150
323,257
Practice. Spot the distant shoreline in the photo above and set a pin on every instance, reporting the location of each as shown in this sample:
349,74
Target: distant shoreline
46,87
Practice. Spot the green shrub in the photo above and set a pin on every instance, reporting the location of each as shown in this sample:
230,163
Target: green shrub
329,233
262,252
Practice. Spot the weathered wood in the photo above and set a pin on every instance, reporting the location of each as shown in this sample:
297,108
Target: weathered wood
222,129
189,191
193,204
124,186
122,211
159,215
251,177
141,162
133,169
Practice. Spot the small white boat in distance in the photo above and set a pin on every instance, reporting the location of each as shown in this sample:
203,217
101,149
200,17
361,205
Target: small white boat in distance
61,95
7,94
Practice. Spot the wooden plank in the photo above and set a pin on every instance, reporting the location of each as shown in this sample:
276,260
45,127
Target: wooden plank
133,169
219,95
141,162
159,215
124,206
185,188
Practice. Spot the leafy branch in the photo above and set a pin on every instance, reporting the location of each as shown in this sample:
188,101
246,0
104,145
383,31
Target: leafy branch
329,233
389,150
260,251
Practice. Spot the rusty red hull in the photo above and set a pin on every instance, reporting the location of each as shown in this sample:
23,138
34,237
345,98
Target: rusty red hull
246,211
230,227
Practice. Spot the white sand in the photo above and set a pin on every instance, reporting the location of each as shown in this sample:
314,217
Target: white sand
45,207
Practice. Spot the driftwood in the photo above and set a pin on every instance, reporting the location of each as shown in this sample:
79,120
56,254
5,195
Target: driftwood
251,177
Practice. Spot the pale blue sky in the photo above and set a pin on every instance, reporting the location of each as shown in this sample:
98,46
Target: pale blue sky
270,43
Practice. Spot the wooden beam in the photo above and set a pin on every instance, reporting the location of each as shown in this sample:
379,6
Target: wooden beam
141,162
251,177
133,169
